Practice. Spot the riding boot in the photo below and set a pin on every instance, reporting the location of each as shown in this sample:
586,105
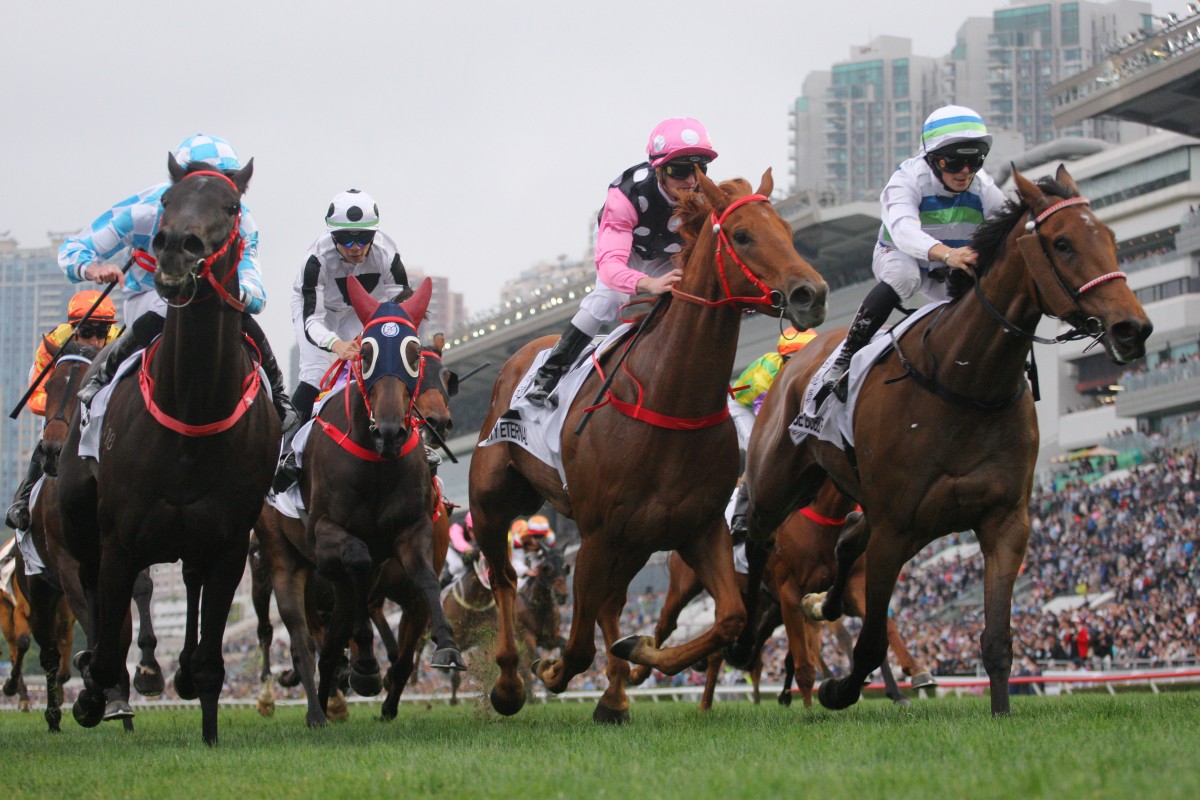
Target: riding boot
873,312
739,526
288,418
565,351
18,513
123,348
287,471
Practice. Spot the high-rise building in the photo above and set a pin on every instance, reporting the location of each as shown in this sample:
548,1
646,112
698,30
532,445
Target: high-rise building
446,312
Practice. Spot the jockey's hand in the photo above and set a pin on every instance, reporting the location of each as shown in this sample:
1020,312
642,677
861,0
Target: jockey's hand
344,350
960,258
102,273
660,285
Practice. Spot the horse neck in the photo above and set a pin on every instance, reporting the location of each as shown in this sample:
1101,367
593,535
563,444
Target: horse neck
694,344
969,335
200,363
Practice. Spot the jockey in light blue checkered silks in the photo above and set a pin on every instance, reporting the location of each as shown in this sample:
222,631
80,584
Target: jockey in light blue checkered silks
129,226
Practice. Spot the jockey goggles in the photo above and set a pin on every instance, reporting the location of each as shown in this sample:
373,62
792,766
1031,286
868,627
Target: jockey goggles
353,238
682,170
93,330
956,163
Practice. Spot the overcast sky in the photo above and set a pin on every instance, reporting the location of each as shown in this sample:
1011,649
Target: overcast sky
486,131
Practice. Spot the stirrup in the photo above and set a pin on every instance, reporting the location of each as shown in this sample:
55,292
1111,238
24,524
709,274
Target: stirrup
18,517
286,473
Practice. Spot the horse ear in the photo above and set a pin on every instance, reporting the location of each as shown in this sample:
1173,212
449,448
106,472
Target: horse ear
241,178
365,306
767,184
1065,179
416,305
174,169
1030,194
714,195
439,342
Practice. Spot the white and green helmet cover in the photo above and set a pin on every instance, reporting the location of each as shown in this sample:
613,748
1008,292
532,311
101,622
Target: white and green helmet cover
352,210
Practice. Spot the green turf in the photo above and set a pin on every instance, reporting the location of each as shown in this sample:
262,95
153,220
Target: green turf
1128,746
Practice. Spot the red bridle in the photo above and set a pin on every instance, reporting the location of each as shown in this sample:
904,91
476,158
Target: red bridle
723,246
150,263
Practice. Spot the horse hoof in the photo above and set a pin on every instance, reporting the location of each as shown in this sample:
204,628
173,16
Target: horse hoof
53,718
812,606
148,681
739,655
117,709
265,709
449,659
607,716
88,709
507,707
315,719
830,698
626,647
366,684
81,660
901,701
24,707
785,699
289,678
924,680
10,686
184,687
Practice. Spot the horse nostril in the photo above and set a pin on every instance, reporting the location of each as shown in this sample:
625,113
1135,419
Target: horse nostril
193,245
158,241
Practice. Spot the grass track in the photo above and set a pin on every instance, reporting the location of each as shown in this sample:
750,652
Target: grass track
1093,746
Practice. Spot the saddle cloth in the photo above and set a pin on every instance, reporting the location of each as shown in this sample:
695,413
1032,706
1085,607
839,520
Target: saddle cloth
289,502
33,562
8,567
832,420
538,429
91,421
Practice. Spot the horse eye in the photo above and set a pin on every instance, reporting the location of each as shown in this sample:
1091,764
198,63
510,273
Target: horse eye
1063,245
741,237
232,209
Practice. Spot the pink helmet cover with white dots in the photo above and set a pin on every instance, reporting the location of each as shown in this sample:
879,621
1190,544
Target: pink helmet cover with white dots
679,137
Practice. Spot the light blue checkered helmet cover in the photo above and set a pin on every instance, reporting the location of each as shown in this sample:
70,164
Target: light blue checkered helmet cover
212,150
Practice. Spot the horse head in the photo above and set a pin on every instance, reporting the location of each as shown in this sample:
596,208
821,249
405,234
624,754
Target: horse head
552,572
1072,258
438,385
389,364
201,212
757,265
61,387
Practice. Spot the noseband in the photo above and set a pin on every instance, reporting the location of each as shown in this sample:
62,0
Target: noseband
768,297
204,265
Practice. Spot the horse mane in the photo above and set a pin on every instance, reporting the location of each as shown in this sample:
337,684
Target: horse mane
693,210
990,237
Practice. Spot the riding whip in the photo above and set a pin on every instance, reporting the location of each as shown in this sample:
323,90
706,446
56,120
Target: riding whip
54,360
663,299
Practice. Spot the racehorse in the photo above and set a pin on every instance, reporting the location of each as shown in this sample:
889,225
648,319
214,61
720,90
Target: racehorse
189,451
14,625
945,428
471,610
277,556
666,404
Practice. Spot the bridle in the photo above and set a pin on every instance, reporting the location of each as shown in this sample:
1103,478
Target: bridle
203,266
769,297
60,414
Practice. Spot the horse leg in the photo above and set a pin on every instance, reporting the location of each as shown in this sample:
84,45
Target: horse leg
855,602
684,586
419,568
796,625
345,559
148,680
789,672
105,666
613,706
18,635
412,626
921,678
1003,542
741,653
887,552
379,620
850,546
710,556
185,685
220,585
508,690
289,577
260,597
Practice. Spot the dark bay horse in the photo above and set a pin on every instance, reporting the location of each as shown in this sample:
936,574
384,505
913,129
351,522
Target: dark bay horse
286,563
635,481
280,556
189,450
471,611
951,447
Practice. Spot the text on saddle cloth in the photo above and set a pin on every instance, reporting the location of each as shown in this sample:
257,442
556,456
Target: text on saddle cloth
824,416
538,429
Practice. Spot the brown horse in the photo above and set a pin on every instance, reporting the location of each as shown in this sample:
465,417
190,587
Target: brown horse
953,446
277,558
189,451
14,625
634,482
471,610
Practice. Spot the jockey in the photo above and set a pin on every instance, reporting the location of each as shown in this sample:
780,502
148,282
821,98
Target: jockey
327,327
931,207
130,225
527,539
635,241
745,400
99,330
462,550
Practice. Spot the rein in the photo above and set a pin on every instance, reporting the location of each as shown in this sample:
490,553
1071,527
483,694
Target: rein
250,386
768,297
149,263
642,414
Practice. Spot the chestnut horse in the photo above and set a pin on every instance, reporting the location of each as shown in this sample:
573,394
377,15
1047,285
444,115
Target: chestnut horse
471,609
276,556
654,468
14,625
953,446
189,450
